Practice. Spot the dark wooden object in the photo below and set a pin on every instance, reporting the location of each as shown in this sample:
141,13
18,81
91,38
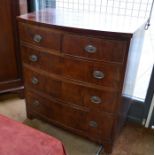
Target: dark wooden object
76,73
10,61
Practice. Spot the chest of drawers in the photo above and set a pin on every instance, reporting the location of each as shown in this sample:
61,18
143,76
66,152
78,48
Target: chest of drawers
74,77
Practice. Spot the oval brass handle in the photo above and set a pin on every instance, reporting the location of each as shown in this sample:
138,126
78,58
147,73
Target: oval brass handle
33,58
36,103
98,75
93,124
90,49
35,80
96,99
37,38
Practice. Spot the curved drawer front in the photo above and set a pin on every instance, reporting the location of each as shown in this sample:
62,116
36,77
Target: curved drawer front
42,37
56,112
94,48
99,127
73,94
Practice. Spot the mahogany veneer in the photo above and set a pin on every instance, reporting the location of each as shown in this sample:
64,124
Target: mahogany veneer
74,74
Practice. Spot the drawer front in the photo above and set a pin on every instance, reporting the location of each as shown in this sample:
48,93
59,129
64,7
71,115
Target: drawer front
56,112
99,126
102,74
42,60
42,37
91,98
94,48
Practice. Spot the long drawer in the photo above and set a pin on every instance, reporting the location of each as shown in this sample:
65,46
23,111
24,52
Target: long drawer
104,74
98,126
69,93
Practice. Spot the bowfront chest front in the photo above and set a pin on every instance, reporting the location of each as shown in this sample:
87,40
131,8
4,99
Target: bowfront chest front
76,71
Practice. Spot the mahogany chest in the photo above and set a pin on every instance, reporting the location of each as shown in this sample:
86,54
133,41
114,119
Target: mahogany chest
76,72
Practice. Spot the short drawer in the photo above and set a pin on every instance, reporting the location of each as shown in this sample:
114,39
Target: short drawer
72,94
94,48
97,125
42,37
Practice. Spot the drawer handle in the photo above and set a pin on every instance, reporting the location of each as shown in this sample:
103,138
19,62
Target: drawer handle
36,103
96,99
90,49
35,80
33,58
98,75
37,38
93,124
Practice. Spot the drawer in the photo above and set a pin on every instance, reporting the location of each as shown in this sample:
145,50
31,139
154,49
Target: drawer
103,74
72,94
97,125
94,48
42,37
56,112
42,60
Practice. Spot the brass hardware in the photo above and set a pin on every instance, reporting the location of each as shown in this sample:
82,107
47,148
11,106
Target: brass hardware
37,38
36,103
96,99
93,124
90,49
35,80
98,75
33,58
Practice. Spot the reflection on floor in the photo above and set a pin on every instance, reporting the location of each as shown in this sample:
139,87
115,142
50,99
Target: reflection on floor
133,140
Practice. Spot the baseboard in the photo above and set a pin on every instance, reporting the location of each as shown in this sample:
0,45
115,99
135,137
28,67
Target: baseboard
136,110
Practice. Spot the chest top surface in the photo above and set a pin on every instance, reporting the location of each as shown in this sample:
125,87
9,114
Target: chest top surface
67,19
